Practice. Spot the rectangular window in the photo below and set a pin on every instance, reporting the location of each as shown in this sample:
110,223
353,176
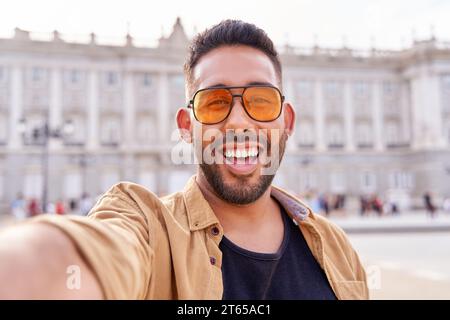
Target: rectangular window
37,74
4,98
109,179
110,131
368,182
148,180
304,88
308,181
332,89
33,185
361,89
77,137
176,95
447,132
2,75
335,135
147,80
73,185
3,129
37,77
177,81
303,94
2,189
391,97
74,76
392,133
145,129
305,134
401,180
445,92
337,182
363,135
390,89
112,79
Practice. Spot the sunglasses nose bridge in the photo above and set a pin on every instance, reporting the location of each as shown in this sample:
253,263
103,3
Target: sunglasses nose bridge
241,99
238,117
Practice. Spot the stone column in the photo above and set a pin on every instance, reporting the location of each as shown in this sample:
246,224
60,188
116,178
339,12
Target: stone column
377,115
289,94
319,116
93,110
348,117
163,109
129,110
55,112
16,107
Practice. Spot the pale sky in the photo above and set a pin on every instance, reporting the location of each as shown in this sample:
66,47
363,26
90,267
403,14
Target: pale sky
389,22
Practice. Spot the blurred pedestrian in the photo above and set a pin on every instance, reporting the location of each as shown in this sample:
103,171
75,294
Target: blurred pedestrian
446,205
429,206
394,209
60,208
33,208
377,205
18,207
314,202
324,204
338,203
86,204
364,205
73,205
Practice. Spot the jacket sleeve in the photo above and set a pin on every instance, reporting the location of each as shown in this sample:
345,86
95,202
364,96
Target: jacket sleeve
114,241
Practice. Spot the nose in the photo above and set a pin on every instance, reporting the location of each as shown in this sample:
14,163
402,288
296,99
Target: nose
238,117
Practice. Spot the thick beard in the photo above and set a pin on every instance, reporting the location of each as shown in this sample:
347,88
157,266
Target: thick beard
241,193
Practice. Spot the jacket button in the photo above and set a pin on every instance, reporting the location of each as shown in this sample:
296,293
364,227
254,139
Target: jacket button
215,231
212,260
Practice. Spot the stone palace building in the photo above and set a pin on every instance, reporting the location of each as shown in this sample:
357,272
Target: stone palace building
369,122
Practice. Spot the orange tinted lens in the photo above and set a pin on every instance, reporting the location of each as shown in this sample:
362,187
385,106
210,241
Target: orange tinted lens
212,105
262,103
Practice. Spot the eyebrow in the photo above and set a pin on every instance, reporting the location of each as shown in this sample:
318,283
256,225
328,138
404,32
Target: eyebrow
253,83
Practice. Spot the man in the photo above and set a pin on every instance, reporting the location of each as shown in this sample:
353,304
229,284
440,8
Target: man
228,235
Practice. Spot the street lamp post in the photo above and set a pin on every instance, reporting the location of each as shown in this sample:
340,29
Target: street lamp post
41,135
83,160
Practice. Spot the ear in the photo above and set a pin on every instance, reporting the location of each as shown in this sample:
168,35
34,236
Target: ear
184,124
289,118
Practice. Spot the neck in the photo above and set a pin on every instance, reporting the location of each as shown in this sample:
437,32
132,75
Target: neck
236,218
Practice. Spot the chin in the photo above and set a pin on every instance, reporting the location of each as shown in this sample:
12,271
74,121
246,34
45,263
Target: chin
236,189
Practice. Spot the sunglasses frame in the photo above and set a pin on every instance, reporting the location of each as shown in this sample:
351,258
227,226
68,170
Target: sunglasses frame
191,102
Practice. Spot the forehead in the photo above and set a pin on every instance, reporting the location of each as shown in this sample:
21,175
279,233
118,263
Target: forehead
234,66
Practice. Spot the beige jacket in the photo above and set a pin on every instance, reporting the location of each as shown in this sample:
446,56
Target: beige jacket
141,246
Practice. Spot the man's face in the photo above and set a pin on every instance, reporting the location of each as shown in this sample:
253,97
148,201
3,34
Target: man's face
235,179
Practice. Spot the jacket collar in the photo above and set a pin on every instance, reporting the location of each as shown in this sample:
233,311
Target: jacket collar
201,216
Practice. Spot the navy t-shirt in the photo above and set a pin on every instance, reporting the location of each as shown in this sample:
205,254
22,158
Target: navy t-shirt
291,273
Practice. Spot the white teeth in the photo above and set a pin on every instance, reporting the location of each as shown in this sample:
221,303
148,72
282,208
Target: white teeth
252,152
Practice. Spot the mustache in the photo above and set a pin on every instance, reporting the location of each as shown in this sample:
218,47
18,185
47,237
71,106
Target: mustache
231,136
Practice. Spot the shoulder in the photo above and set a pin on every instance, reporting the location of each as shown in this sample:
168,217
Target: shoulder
145,201
132,194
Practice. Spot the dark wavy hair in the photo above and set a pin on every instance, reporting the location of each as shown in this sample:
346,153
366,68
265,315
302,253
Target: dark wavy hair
229,33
